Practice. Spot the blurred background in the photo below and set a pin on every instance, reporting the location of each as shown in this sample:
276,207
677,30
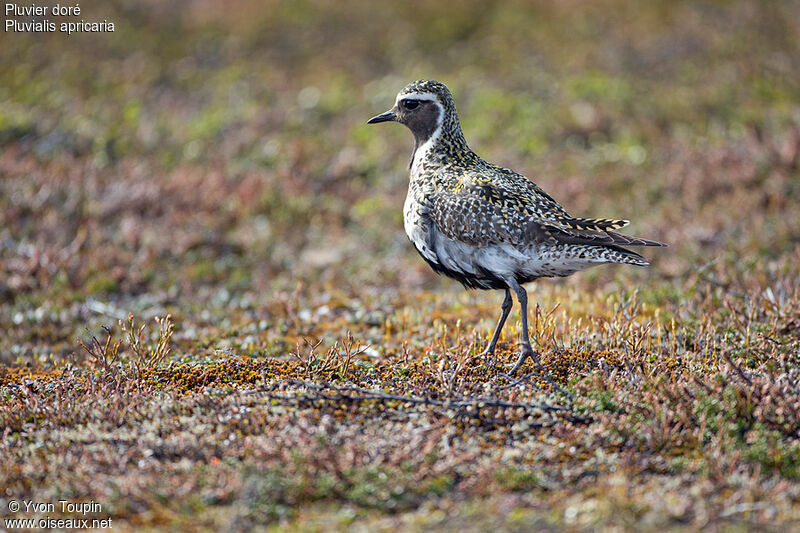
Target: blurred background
207,157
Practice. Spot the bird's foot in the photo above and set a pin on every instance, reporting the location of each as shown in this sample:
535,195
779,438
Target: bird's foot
487,352
526,353
487,358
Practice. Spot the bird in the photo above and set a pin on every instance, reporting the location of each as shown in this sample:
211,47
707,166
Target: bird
486,226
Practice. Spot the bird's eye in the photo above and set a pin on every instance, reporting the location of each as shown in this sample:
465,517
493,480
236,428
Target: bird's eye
410,104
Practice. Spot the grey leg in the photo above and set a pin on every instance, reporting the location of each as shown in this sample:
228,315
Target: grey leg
525,340
506,309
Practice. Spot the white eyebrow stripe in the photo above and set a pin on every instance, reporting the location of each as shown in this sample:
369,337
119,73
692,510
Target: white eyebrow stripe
415,96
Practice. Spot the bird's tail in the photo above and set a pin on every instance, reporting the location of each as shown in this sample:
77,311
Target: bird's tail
618,254
592,224
627,240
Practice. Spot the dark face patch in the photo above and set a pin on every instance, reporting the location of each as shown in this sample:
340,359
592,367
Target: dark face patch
422,120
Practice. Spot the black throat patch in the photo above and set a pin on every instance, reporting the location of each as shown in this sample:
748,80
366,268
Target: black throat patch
423,123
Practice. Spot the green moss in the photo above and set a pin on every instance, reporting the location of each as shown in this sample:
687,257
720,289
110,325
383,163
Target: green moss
102,284
517,479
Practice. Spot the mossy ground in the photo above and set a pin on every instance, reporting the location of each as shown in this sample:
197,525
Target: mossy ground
210,162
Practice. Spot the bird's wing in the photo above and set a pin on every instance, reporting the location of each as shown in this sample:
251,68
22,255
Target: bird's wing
517,211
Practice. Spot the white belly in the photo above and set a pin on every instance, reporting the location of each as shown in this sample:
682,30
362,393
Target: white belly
417,227
504,260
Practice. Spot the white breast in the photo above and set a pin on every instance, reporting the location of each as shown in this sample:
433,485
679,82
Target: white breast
415,225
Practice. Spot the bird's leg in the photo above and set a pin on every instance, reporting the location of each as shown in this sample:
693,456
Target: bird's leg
527,351
505,310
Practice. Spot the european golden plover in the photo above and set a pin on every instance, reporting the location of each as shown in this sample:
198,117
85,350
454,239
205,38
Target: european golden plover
486,226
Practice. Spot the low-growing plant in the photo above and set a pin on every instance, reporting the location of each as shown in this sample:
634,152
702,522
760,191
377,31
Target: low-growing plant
146,355
112,360
104,355
336,361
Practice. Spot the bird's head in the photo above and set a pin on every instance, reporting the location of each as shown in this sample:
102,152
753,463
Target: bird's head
422,106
